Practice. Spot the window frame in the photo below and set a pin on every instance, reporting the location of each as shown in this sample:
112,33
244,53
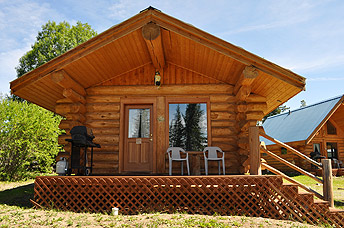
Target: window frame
327,129
187,100
332,153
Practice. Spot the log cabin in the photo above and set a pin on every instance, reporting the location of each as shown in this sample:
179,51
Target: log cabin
316,131
152,63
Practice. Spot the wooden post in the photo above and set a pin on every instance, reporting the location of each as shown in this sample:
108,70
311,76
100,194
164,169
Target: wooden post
253,134
328,182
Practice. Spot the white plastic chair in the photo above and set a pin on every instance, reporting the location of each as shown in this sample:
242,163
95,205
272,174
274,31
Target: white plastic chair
174,154
210,154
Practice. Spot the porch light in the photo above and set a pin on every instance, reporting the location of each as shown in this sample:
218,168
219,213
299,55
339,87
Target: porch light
157,79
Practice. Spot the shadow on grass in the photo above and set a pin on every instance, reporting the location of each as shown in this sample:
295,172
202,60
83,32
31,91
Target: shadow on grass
19,196
339,204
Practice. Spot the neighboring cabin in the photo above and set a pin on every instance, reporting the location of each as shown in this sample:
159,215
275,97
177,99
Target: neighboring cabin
106,81
316,129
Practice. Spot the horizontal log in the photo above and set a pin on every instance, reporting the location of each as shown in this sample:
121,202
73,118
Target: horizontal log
102,123
103,107
222,99
105,165
257,106
105,171
106,139
229,139
105,131
163,90
221,115
107,148
64,101
103,99
102,116
255,98
68,124
227,131
243,152
229,148
222,107
64,109
254,115
74,96
62,139
222,123
76,117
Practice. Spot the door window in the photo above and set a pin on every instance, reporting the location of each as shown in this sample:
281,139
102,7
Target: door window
139,123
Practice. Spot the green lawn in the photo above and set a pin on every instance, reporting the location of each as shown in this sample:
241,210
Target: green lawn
338,188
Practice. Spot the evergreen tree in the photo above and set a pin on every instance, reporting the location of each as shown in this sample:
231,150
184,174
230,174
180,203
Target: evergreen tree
194,138
177,129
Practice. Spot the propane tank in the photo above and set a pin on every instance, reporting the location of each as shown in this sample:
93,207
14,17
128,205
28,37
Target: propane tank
62,166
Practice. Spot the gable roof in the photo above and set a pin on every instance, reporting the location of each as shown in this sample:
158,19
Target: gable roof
122,49
301,124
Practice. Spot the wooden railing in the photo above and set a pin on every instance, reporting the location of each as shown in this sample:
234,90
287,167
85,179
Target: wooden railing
325,166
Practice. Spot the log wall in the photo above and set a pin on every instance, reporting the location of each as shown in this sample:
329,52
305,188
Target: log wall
103,116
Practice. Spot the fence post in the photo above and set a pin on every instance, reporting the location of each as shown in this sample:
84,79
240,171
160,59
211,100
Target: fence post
328,182
253,138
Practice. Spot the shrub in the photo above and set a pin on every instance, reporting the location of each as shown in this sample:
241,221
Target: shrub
28,139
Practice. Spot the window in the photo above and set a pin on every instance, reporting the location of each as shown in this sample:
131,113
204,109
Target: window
316,148
283,150
188,126
139,123
331,130
331,150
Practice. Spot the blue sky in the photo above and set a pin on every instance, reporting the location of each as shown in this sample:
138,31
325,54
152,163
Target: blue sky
305,36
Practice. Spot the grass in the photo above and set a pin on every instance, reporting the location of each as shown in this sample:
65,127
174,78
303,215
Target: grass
338,188
16,211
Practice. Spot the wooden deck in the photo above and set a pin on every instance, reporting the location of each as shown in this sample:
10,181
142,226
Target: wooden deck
260,196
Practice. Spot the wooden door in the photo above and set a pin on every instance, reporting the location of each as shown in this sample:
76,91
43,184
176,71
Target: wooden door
138,141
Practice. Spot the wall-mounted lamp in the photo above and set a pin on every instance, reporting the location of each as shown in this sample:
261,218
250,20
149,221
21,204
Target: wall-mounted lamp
157,79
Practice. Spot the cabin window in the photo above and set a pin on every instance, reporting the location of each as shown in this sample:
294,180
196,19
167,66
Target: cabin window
331,130
139,123
331,150
188,126
283,150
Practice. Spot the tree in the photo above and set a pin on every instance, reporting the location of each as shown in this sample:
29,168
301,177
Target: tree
194,138
177,130
28,139
303,104
277,111
54,40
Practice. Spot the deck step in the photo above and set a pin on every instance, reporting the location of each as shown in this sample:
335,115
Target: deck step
336,210
306,197
290,189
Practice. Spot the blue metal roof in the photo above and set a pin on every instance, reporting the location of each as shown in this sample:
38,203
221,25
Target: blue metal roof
299,124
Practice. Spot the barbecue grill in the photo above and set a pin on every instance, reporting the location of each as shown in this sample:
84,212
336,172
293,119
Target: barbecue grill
82,139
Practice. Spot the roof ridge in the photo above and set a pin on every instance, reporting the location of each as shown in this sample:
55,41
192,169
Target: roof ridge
307,106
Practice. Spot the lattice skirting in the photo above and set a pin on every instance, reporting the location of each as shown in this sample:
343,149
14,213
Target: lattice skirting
261,196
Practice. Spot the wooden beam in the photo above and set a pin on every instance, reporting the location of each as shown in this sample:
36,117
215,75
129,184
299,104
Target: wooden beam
255,167
246,78
243,93
74,96
64,109
328,181
63,79
152,36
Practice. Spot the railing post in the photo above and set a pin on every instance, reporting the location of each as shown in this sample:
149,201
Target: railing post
253,136
328,182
